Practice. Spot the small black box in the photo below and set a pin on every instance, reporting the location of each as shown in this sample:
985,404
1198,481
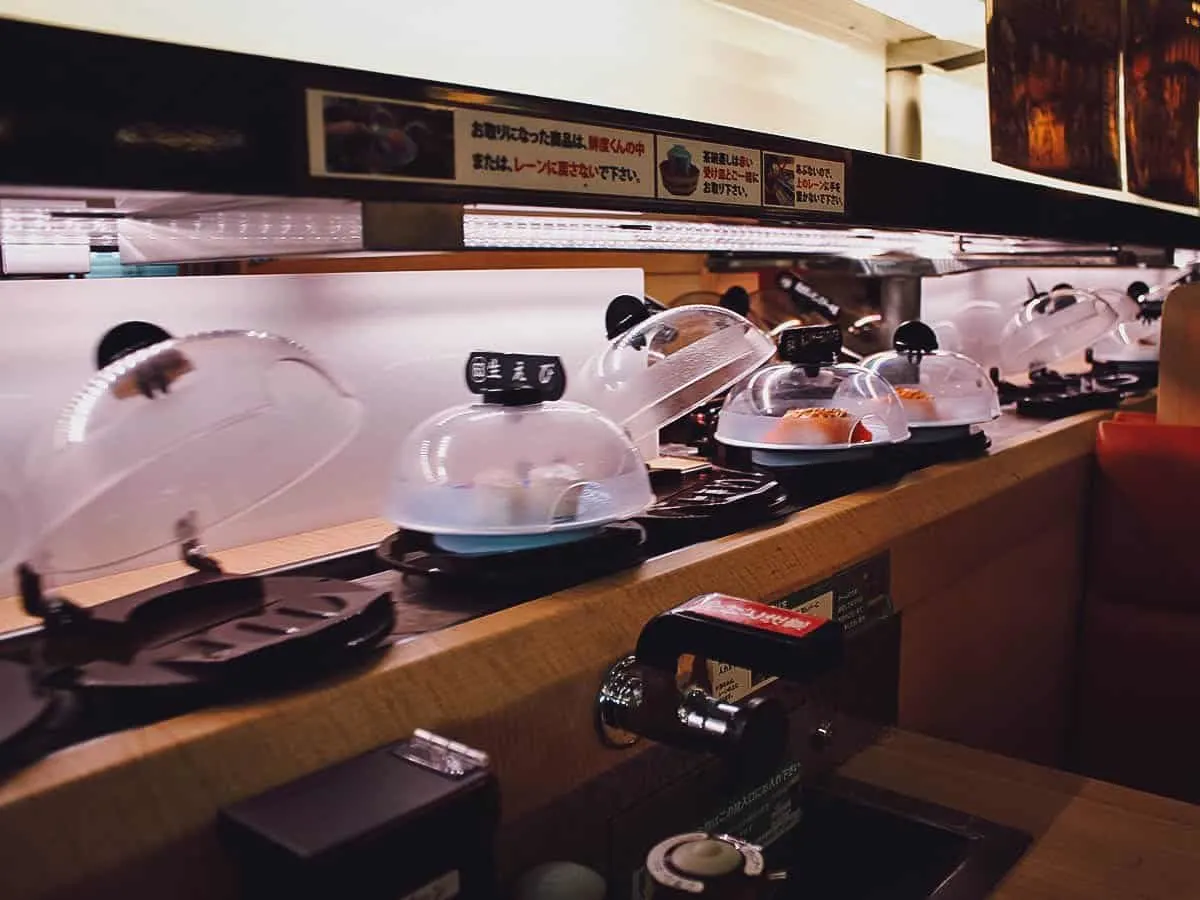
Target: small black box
415,819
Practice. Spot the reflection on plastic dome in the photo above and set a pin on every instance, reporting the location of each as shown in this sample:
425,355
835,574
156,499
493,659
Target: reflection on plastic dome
793,407
670,364
489,469
198,429
1053,327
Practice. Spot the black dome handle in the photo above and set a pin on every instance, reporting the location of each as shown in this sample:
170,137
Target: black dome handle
914,339
810,345
515,379
737,299
623,313
126,338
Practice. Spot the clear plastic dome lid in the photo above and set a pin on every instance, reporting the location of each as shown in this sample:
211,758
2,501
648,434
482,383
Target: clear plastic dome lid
179,436
665,366
937,388
808,402
1136,341
1053,327
516,463
1137,337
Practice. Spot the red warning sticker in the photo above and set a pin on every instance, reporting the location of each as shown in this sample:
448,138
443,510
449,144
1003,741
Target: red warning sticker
737,611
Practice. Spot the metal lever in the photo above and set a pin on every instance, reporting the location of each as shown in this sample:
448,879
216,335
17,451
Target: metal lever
640,696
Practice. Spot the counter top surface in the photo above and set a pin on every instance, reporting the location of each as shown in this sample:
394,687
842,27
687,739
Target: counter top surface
293,549
1091,840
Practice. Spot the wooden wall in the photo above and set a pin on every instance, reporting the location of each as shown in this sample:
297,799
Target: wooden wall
990,598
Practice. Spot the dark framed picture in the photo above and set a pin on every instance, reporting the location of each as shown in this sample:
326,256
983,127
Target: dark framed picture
1053,89
375,137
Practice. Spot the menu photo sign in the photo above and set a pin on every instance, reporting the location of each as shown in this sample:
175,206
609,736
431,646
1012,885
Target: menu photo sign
703,172
803,182
351,136
375,139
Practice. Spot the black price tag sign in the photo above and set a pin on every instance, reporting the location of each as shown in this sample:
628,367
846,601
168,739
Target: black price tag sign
810,343
487,371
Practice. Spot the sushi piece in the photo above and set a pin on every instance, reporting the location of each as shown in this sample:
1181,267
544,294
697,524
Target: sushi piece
819,425
554,492
918,405
152,376
499,499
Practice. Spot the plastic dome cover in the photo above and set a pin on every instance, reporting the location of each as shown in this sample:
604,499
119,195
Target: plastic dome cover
808,402
492,469
1053,327
671,363
1137,338
936,388
185,434
1136,341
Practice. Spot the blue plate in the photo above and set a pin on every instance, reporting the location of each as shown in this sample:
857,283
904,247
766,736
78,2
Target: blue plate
486,544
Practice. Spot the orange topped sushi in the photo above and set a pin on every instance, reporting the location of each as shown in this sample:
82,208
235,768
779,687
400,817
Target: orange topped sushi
918,405
819,425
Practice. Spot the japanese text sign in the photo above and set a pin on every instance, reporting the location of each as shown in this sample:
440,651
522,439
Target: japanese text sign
707,173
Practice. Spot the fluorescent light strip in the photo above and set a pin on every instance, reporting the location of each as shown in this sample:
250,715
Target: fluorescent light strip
619,233
40,225
549,232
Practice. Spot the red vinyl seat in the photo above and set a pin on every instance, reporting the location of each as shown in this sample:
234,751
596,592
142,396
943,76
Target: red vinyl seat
1138,711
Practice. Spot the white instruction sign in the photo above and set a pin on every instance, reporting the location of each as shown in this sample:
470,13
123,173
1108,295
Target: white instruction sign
703,172
374,139
803,182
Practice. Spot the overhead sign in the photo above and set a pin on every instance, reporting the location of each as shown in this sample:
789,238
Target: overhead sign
707,173
377,139
384,140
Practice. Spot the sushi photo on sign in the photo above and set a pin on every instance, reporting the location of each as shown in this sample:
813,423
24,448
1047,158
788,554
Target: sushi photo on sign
779,188
371,137
680,175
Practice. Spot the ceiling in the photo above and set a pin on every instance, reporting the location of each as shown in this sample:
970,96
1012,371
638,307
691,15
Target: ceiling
877,21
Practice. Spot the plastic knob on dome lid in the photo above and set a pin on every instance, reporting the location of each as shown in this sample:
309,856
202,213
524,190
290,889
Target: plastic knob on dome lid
937,388
177,436
671,363
810,345
1051,328
519,463
623,313
809,402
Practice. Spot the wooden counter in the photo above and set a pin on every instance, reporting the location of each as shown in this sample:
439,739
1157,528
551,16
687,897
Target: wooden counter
986,568
1092,840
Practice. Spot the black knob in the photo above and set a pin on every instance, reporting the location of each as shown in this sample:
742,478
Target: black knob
914,339
515,379
126,338
1137,290
736,299
623,313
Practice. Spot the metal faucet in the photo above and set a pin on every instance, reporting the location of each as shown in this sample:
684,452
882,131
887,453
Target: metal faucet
643,696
